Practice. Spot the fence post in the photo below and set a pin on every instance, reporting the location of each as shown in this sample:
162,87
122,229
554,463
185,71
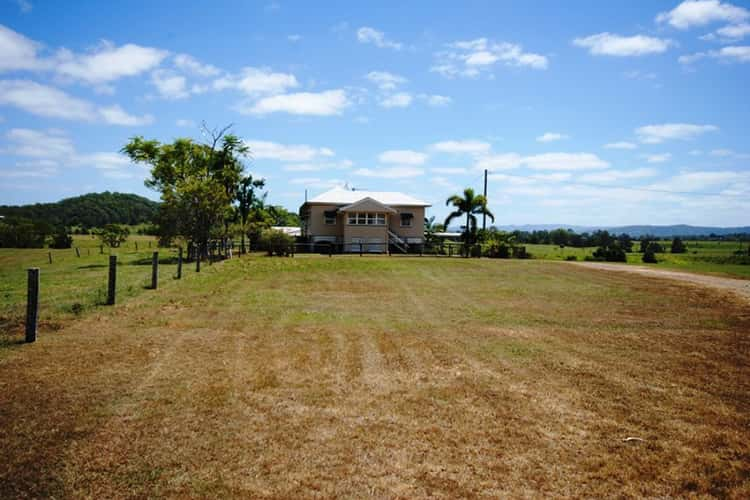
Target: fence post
112,280
78,252
197,258
421,249
101,249
50,257
32,304
360,249
330,250
149,243
136,246
155,271
179,263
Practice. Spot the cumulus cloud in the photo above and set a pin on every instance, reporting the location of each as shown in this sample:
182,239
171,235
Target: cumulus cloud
657,158
115,115
257,81
390,172
655,134
107,62
470,58
617,175
564,161
403,157
327,103
191,65
435,100
621,145
42,100
385,80
610,44
267,150
739,54
170,85
18,52
551,136
692,13
398,100
365,34
467,146
504,161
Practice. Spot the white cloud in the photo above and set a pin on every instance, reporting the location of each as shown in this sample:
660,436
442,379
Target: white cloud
436,100
366,34
621,145
657,158
470,58
617,175
42,100
39,144
564,161
294,38
699,181
701,12
316,167
403,157
191,65
25,6
734,31
385,80
169,84
450,170
267,150
610,44
735,53
505,161
399,100
257,81
185,123
330,102
551,136
655,134
17,52
467,146
390,172
108,62
115,115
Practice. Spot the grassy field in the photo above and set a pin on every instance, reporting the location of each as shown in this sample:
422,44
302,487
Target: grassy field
709,257
385,377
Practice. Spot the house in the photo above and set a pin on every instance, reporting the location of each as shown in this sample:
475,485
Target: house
369,221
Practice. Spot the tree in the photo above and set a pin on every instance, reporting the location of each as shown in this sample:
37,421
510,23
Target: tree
198,182
611,253
61,238
245,199
113,235
649,256
430,228
468,205
678,246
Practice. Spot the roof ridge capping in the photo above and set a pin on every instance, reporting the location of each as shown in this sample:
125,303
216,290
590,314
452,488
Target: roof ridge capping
340,196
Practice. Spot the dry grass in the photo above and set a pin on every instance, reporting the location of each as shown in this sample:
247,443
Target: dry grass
387,378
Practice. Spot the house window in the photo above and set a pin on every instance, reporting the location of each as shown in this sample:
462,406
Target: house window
330,217
365,219
406,219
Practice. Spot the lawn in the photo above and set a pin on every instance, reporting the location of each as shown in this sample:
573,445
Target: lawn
384,377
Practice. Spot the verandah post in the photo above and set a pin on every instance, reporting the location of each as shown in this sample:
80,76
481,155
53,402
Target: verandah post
32,304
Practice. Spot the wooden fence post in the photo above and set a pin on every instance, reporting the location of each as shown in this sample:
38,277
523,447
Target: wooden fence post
197,259
360,249
50,257
78,252
330,249
101,249
179,263
32,304
155,271
111,282
136,246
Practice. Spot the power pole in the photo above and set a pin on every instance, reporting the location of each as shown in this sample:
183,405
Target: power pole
484,215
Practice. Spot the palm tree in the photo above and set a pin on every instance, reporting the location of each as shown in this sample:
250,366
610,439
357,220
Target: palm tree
469,204
246,199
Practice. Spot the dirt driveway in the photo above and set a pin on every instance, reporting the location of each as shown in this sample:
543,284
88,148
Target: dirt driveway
738,287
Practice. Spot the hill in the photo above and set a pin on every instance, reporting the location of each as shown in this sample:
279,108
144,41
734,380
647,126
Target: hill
88,210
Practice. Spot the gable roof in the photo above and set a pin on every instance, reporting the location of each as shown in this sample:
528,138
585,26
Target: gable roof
341,196
367,204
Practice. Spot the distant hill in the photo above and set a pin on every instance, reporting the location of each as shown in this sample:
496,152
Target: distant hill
88,210
636,231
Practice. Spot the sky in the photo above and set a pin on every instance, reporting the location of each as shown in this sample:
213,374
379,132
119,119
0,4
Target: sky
582,112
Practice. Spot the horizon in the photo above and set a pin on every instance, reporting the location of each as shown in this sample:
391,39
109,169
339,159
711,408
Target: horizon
620,112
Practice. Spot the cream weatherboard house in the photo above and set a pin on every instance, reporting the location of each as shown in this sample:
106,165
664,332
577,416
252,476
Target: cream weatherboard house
374,221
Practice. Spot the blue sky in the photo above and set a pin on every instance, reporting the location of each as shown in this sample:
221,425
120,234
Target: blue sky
593,113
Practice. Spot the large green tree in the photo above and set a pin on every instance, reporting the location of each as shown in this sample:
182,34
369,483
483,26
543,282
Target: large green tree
198,181
246,198
469,205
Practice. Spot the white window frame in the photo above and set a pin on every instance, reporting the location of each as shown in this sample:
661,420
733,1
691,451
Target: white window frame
365,219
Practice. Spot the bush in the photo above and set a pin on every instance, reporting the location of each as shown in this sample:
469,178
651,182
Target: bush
276,242
61,239
678,246
611,253
113,235
520,253
497,250
571,257
649,256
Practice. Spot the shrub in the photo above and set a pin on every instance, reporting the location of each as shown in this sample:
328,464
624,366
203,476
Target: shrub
61,239
571,257
276,242
113,235
678,246
497,250
520,253
649,256
611,253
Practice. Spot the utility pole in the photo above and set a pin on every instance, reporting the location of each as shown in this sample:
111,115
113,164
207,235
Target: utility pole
484,215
